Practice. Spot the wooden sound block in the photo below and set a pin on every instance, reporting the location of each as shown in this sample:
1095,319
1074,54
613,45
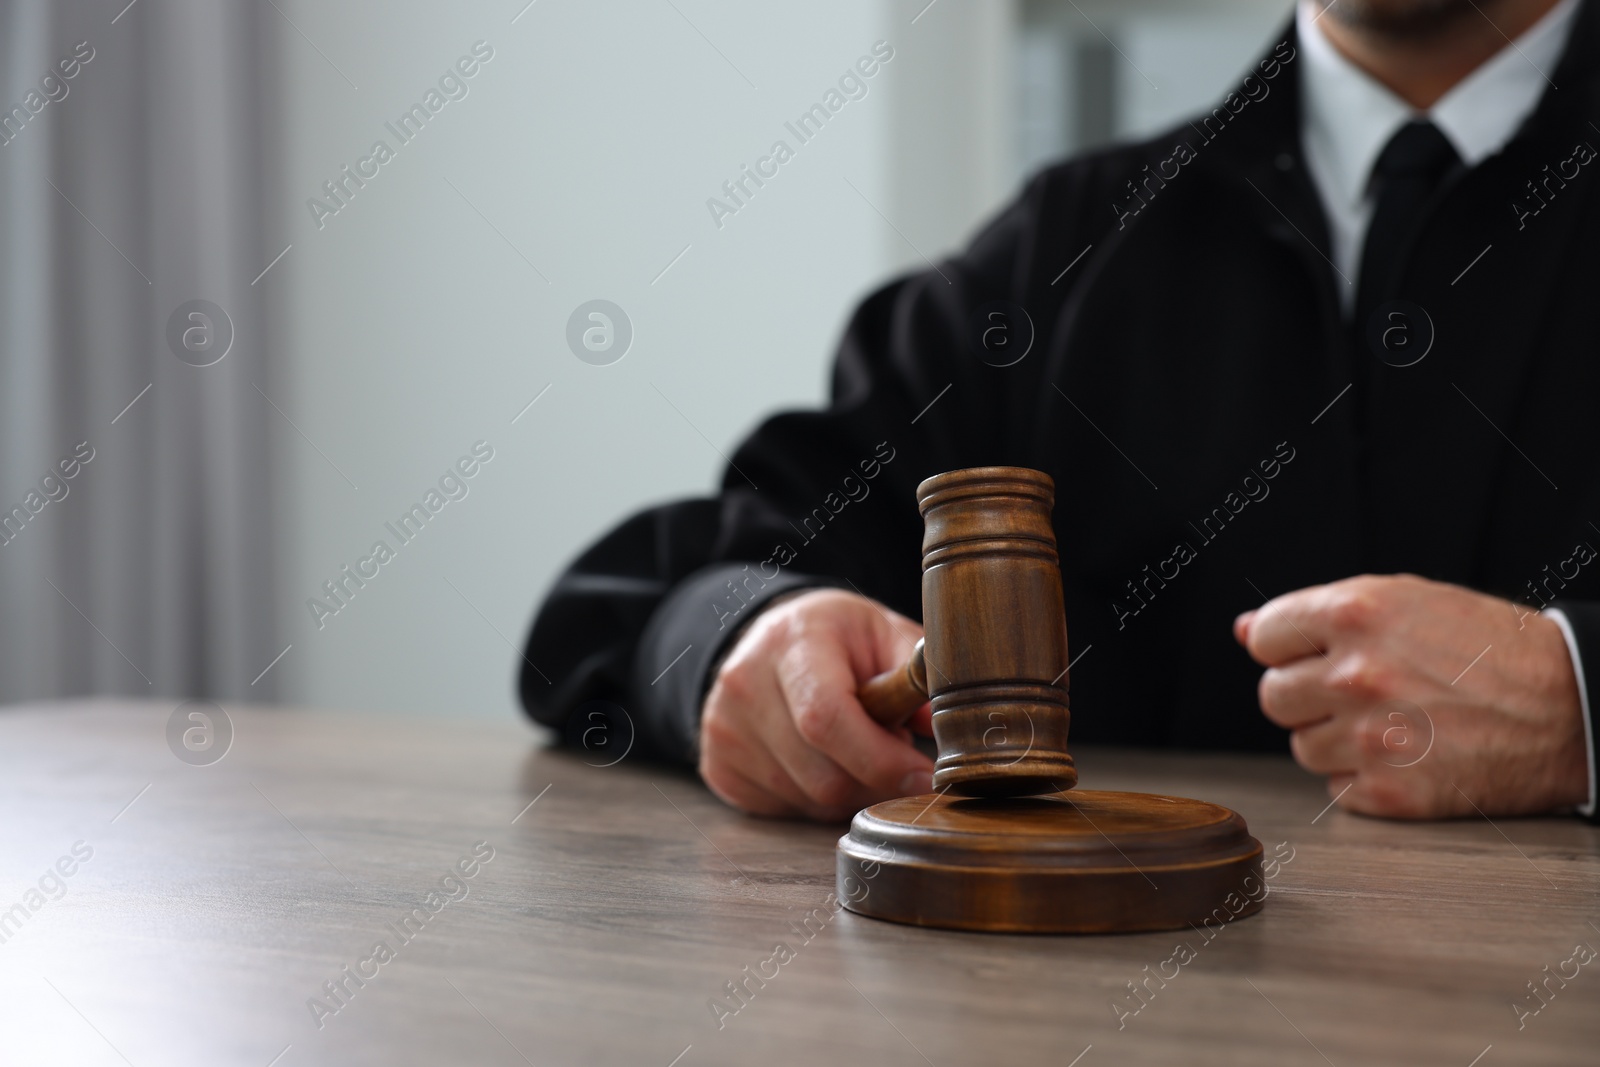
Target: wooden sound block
1076,862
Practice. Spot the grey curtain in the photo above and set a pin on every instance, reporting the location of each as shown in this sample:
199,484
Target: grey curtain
135,498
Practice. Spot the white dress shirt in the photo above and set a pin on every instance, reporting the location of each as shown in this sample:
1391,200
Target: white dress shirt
1346,119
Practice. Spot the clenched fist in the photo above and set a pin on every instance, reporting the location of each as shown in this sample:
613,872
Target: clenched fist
1422,700
782,732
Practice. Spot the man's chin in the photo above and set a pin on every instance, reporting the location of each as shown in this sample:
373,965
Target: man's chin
1401,19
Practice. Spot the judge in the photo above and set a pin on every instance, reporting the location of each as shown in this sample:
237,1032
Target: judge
1316,375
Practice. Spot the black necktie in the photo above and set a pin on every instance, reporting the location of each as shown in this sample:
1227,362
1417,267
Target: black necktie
1405,177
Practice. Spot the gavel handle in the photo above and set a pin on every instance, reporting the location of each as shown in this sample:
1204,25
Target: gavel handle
895,695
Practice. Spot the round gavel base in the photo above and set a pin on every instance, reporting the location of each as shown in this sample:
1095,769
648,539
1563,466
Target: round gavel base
1077,862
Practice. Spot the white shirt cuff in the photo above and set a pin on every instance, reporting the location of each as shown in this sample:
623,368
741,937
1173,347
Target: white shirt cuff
1559,617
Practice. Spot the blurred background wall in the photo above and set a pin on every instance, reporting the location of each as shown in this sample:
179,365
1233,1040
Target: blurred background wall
412,304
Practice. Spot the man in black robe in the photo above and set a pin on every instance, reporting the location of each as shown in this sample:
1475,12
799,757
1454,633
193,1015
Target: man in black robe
1316,377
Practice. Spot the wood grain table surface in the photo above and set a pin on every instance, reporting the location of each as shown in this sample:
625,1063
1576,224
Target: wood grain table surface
607,909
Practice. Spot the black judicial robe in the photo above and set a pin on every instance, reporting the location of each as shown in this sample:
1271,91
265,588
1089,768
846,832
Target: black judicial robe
1186,388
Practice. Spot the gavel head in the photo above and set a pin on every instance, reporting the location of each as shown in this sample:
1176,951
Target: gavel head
995,646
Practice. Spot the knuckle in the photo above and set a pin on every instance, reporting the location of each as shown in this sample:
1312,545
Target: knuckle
776,627
1269,691
770,629
727,786
815,720
802,629
807,608
735,684
1363,675
1311,756
1277,686
1314,755
808,625
718,731
1297,749
1353,606
821,622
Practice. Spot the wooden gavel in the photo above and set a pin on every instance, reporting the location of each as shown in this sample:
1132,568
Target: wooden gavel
993,662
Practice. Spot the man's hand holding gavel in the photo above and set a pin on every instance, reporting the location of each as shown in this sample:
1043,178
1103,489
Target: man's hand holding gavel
782,732
1369,673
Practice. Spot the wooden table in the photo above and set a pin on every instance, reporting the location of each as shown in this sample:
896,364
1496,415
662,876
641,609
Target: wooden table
219,899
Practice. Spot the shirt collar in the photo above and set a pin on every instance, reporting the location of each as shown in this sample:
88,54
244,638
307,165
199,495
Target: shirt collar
1348,116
